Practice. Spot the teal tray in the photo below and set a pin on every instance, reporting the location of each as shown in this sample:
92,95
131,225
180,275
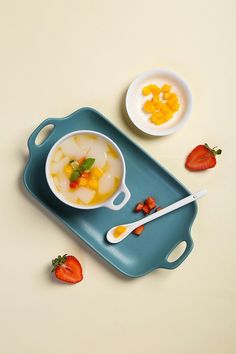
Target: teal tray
135,256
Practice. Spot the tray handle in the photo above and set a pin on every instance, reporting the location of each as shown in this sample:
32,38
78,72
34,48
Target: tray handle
31,141
110,204
184,255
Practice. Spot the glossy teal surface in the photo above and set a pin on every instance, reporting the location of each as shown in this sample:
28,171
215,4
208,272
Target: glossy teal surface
135,256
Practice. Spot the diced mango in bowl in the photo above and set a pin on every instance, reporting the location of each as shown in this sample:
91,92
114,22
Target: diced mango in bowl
163,105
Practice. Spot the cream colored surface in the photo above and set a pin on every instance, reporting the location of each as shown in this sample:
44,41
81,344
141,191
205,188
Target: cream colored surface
57,56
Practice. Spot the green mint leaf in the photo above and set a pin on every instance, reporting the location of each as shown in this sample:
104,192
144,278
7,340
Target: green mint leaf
87,164
81,170
75,174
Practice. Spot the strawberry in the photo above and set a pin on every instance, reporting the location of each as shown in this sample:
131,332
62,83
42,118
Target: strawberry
150,201
146,209
67,269
139,207
74,184
202,158
138,230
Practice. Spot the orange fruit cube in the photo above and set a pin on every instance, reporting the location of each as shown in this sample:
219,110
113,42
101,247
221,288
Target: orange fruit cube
68,170
155,90
166,88
157,117
168,115
149,107
160,121
166,95
146,90
165,108
175,106
83,182
156,99
93,183
174,97
96,172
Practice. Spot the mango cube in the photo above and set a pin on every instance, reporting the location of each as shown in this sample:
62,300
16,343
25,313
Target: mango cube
149,107
166,88
146,90
166,95
160,120
173,103
83,182
155,90
156,99
159,114
173,96
165,108
119,230
155,117
68,170
175,107
168,115
96,172
93,183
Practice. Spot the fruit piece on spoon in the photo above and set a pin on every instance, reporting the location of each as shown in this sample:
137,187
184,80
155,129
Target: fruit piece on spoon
119,230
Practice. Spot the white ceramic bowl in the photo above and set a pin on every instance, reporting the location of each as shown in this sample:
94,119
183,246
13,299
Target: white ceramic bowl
135,101
109,203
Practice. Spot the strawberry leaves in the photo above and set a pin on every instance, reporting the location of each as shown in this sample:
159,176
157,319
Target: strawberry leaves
58,262
214,152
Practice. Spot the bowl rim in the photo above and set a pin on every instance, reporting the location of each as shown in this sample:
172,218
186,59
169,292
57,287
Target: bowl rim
59,195
185,116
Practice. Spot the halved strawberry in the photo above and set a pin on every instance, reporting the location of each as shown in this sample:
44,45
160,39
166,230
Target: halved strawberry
138,230
150,201
67,269
146,209
139,207
202,158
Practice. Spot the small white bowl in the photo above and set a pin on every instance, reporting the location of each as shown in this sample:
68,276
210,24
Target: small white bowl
109,203
135,101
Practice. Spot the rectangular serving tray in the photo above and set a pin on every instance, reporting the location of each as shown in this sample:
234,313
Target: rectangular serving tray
135,256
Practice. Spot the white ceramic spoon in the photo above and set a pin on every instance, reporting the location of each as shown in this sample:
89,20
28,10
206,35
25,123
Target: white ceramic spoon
130,227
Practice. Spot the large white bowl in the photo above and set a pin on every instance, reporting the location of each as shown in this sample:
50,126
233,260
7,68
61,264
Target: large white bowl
109,203
135,101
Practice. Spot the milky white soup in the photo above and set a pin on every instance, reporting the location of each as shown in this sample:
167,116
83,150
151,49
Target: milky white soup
86,169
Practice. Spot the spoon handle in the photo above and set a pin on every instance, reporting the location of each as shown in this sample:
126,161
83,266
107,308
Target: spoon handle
191,198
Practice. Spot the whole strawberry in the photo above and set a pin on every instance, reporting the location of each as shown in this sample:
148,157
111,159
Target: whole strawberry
67,269
202,158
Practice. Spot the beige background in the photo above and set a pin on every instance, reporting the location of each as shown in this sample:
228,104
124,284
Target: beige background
57,56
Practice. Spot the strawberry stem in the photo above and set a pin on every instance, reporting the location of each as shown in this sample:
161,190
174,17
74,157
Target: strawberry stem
58,262
213,151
